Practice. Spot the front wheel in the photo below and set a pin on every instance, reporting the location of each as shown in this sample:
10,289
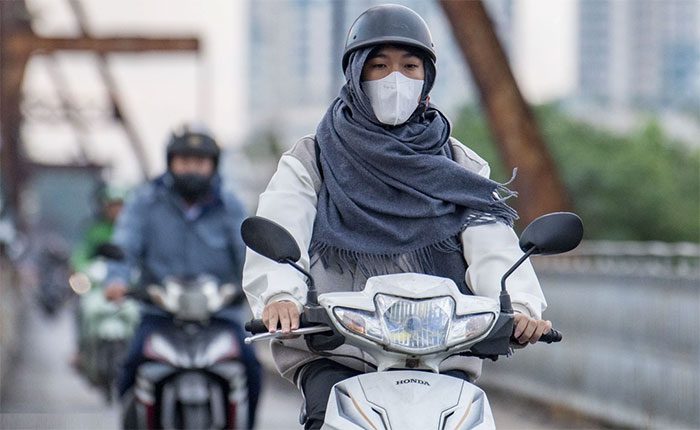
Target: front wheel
195,417
110,357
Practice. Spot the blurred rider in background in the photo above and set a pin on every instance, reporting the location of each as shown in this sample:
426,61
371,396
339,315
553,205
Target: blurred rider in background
108,201
182,224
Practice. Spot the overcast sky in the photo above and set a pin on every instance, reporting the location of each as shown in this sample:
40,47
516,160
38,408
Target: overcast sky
545,48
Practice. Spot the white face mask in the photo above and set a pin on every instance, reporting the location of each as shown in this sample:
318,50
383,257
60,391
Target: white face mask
394,97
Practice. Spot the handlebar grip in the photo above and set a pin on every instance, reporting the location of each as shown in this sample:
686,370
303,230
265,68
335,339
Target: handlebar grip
552,336
256,326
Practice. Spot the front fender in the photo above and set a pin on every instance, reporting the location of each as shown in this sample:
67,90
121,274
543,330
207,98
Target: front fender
192,388
407,400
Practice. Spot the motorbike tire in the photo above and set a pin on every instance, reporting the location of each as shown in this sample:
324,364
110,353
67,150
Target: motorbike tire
195,417
129,418
48,304
109,358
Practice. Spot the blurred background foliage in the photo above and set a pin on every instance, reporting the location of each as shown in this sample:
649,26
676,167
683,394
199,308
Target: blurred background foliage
650,190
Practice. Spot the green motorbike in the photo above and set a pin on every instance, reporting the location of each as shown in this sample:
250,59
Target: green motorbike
105,328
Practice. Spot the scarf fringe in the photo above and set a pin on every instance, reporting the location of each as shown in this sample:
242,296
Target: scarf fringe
370,265
420,260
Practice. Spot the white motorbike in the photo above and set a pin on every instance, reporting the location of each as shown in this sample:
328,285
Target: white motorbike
409,323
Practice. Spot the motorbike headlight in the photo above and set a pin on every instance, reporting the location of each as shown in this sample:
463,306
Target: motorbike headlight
79,283
359,322
468,327
415,325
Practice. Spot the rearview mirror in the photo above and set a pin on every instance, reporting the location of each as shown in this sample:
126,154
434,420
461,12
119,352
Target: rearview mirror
553,233
270,240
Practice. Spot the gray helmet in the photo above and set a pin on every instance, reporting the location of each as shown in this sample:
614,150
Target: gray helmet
388,24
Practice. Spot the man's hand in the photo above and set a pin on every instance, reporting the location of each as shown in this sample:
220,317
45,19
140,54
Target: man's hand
529,329
283,312
115,292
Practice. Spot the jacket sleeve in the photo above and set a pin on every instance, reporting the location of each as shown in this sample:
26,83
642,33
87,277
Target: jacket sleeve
80,258
289,200
129,236
490,250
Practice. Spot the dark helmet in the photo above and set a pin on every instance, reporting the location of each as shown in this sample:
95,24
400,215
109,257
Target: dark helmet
188,140
388,24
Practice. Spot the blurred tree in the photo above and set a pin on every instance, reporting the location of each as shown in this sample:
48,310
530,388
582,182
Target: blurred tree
518,137
641,186
264,145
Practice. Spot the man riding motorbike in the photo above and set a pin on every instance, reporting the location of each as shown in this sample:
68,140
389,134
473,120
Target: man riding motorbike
382,188
182,225
108,201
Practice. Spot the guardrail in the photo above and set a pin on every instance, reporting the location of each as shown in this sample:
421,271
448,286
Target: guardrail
656,259
630,313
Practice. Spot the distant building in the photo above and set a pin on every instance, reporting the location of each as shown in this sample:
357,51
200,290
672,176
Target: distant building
294,58
641,53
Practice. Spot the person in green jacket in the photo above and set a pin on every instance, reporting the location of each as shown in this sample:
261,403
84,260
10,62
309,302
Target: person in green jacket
109,202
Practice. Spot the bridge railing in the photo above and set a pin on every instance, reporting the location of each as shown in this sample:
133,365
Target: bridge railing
630,314
656,259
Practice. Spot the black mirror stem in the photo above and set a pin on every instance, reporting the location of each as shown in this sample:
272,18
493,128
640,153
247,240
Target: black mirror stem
311,295
506,306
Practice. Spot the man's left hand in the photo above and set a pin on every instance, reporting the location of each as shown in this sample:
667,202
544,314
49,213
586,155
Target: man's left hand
528,329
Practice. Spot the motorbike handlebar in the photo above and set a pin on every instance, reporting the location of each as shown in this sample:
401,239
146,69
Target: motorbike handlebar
256,326
551,336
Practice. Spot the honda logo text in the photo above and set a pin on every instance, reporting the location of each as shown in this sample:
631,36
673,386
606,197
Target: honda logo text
412,381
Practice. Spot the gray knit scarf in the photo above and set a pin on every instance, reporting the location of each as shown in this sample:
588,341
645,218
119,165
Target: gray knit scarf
392,195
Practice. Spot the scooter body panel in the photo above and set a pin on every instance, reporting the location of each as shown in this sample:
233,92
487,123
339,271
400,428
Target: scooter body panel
407,399
196,369
192,346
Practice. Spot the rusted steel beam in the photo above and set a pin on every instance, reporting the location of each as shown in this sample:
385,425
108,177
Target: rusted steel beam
511,121
101,45
62,90
14,20
133,138
18,43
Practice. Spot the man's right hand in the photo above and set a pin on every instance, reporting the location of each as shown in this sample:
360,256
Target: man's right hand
115,291
283,312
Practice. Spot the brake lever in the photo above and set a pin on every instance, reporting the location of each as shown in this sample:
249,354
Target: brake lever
280,335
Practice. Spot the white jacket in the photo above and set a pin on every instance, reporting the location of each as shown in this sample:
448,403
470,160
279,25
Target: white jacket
290,200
